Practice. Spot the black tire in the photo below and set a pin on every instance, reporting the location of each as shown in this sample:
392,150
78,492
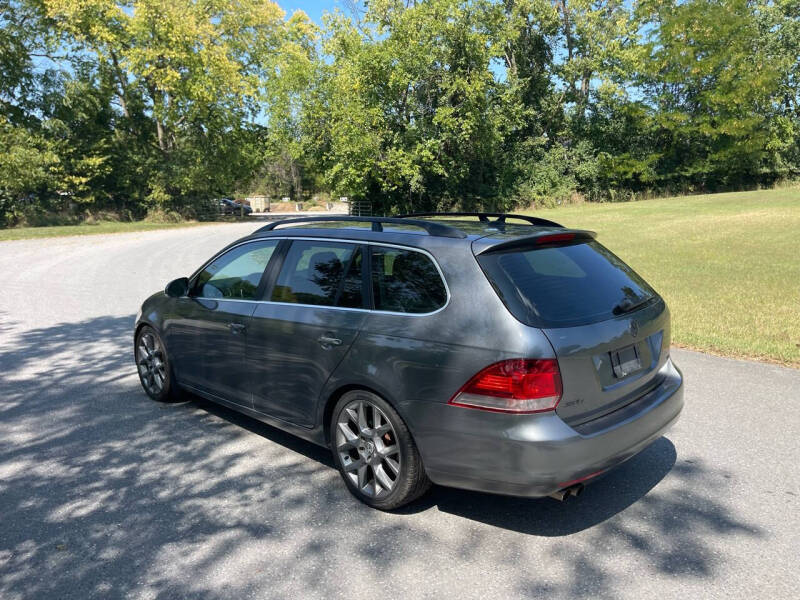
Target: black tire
154,369
378,454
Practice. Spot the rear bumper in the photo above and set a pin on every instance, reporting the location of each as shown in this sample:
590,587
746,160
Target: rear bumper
535,455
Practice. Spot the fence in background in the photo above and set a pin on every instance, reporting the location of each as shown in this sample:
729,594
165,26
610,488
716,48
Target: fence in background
212,210
360,208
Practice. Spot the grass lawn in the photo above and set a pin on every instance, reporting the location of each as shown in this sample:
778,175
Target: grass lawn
728,265
20,233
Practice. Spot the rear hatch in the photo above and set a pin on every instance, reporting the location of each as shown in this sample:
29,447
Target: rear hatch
608,327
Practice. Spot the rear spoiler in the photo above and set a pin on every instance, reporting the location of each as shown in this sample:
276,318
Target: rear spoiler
541,239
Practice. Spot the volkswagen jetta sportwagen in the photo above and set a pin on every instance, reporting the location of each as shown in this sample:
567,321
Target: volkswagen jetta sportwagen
460,349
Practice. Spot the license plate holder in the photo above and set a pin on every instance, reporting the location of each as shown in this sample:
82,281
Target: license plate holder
625,361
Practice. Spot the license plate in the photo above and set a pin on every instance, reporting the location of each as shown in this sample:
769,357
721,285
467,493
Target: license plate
625,361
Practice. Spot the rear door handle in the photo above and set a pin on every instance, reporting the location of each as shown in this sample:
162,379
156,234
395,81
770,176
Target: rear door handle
237,327
328,341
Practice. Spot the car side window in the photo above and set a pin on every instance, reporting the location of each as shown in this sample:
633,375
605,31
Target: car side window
405,281
322,274
236,274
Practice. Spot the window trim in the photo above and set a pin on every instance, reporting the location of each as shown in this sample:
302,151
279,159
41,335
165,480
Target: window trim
365,302
270,275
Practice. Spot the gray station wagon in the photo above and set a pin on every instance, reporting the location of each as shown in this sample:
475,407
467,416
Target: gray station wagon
459,349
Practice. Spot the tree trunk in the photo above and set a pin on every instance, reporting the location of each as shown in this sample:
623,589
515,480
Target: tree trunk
161,133
123,88
162,138
562,6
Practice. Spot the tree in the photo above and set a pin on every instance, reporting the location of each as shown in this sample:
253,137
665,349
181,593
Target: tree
137,105
598,42
711,85
779,24
28,164
407,107
195,77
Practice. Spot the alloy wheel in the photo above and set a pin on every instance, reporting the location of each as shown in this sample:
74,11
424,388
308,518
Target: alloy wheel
151,363
367,446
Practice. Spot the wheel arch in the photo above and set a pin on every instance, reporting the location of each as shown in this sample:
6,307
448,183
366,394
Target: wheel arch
337,394
139,326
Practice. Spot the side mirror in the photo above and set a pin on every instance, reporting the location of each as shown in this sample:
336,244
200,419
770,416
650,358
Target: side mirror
177,288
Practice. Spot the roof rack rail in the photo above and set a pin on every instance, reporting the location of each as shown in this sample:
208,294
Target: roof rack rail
500,218
433,228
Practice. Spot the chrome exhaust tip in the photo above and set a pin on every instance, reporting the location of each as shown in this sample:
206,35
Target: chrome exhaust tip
573,490
576,490
559,495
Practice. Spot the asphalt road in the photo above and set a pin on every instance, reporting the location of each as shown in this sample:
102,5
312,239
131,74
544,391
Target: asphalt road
104,493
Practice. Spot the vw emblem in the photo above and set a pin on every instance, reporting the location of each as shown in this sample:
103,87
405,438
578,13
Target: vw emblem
634,328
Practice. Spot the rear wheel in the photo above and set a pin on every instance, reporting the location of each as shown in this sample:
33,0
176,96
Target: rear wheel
375,452
155,373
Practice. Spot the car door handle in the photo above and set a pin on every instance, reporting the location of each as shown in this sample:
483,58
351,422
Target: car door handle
327,341
237,327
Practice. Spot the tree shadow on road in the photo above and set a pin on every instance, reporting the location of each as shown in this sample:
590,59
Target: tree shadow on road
604,498
105,493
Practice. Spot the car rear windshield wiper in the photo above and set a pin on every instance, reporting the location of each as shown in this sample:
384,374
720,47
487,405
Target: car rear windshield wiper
627,305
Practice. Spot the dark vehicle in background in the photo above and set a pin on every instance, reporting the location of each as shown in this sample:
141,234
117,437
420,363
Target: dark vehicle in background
522,359
231,207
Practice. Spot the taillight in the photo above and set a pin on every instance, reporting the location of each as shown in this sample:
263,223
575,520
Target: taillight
519,385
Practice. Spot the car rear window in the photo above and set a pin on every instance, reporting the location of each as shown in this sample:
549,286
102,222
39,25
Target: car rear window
562,286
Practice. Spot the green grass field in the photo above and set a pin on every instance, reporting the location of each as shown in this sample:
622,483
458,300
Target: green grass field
727,264
21,233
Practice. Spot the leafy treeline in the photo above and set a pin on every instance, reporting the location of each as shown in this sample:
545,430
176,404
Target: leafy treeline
158,105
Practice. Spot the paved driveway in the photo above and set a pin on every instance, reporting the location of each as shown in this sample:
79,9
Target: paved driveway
105,494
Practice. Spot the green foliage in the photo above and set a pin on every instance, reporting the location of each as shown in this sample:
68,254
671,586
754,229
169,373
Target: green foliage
146,104
155,106
712,88
406,105
28,165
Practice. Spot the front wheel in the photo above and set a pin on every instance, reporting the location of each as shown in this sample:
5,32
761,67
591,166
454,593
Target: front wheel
375,453
153,366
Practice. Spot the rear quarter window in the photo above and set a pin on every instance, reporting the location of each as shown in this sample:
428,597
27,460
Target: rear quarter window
405,281
564,286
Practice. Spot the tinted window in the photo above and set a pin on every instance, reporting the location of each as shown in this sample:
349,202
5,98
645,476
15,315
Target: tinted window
321,273
565,285
405,281
235,274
